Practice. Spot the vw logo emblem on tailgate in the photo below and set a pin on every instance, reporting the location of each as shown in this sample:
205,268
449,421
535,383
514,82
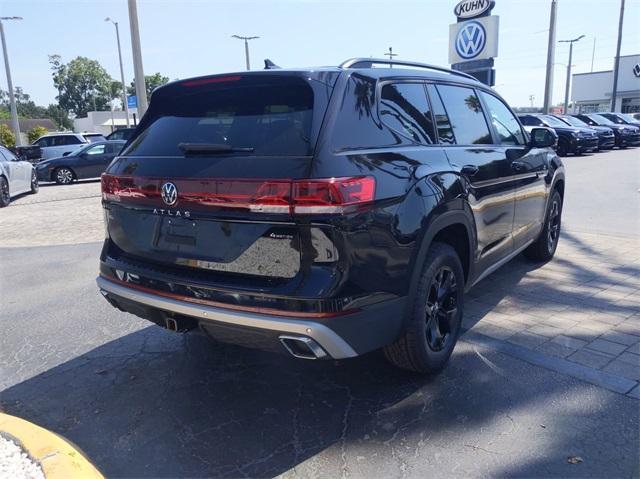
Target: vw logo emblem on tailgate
169,194
471,40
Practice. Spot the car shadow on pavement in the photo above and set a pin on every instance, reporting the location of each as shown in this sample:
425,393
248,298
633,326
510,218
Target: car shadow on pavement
567,283
157,404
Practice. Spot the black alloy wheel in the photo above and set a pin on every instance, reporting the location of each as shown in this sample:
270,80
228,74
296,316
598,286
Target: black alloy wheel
441,309
34,182
553,224
5,196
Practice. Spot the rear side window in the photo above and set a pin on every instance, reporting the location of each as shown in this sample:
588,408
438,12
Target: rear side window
465,114
404,108
273,119
504,123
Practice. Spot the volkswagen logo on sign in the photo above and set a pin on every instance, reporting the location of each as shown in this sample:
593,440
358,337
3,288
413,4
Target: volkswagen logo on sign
636,70
471,40
169,194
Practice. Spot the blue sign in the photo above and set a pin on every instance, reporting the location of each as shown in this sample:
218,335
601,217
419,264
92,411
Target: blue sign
471,40
132,101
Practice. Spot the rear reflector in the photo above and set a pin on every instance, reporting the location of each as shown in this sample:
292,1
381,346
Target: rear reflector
317,196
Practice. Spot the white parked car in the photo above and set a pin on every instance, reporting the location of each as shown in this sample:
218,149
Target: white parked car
16,177
53,145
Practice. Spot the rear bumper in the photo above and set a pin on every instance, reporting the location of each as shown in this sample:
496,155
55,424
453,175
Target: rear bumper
44,174
340,337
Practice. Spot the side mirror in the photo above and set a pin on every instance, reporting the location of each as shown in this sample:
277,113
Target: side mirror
543,138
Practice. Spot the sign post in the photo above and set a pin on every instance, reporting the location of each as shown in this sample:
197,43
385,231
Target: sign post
473,40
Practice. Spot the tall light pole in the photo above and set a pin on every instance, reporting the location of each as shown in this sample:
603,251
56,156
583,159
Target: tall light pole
616,66
15,125
566,90
124,85
141,89
390,54
246,47
551,49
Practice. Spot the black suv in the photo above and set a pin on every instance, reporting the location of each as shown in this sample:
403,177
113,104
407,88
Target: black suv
326,212
625,135
571,139
606,137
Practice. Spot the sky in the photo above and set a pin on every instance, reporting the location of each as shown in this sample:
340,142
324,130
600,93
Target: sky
188,38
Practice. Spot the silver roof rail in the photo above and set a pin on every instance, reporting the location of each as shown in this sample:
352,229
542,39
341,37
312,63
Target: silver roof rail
369,62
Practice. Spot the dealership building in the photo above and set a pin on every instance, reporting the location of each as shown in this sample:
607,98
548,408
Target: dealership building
591,92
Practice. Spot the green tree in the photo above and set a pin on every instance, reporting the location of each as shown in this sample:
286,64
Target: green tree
7,138
59,116
28,109
36,132
151,83
83,84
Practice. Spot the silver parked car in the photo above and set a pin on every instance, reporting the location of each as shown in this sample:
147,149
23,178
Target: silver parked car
53,145
16,176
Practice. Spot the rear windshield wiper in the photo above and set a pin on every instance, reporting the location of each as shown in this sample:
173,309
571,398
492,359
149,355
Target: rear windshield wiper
211,148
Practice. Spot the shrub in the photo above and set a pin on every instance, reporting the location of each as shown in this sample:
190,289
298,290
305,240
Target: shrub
7,138
36,132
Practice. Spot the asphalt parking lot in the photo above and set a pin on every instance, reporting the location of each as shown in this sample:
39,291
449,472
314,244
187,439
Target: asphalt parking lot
547,372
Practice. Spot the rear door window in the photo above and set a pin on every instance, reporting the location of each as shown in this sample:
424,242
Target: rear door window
65,140
465,113
443,125
404,108
44,142
273,119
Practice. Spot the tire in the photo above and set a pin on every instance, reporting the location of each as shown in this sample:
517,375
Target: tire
63,176
562,148
5,196
435,315
34,182
545,246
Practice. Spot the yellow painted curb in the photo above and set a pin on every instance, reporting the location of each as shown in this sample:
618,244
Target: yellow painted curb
58,458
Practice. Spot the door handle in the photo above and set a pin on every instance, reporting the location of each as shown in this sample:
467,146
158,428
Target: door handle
469,170
518,165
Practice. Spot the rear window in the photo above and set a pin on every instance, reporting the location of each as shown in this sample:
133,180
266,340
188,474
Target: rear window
274,120
94,138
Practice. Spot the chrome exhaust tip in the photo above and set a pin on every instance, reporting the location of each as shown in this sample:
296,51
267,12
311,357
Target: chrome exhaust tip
302,347
171,324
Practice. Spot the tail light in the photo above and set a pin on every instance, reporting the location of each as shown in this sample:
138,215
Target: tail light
316,196
331,196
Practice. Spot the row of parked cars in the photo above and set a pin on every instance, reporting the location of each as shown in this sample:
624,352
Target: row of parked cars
61,157
589,132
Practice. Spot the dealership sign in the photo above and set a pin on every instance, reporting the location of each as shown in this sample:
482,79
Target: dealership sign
472,8
475,39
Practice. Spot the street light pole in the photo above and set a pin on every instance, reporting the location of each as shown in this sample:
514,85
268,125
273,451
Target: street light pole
616,66
551,48
15,125
568,84
246,47
124,85
141,89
